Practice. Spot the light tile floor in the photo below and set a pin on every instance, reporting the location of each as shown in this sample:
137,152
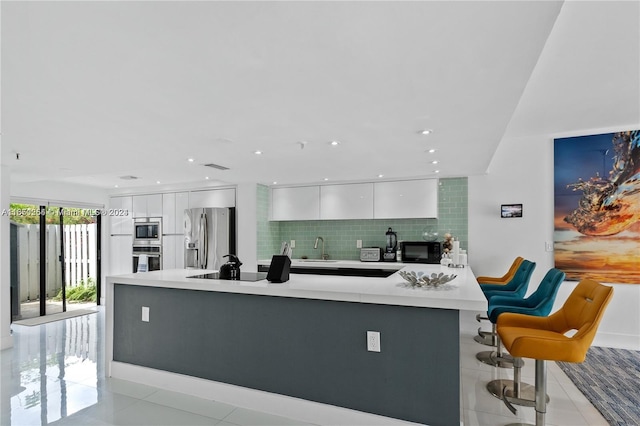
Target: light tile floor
54,374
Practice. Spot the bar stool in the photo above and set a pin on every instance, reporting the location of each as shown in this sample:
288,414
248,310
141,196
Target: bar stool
486,337
516,286
544,339
539,304
505,278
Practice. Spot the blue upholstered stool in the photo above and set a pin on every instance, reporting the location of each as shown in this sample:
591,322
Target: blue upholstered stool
517,286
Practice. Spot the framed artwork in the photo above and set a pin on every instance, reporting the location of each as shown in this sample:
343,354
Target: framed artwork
597,207
511,210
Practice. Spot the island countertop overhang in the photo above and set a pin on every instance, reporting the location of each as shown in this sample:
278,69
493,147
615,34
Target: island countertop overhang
463,293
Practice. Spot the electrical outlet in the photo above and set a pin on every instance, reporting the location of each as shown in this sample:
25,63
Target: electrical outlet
373,341
358,243
292,244
548,246
145,313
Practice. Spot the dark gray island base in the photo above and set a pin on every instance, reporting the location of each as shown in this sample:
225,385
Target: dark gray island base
305,348
297,349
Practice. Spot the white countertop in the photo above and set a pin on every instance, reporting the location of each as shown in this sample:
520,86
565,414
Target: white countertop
463,293
355,264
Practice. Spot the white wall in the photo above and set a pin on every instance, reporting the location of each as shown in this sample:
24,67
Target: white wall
66,194
522,172
5,265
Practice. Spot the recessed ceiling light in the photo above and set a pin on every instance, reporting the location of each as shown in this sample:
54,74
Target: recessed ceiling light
436,171
425,131
116,186
431,151
206,177
257,152
334,143
434,162
275,183
380,176
326,178
157,181
191,160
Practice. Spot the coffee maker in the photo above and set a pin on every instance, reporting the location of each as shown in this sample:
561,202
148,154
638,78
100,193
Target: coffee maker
392,246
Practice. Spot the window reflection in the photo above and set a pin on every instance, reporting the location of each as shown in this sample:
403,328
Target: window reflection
55,371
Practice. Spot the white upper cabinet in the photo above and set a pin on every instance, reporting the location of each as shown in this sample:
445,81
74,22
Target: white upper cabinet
120,215
406,199
295,203
147,205
173,207
212,198
352,201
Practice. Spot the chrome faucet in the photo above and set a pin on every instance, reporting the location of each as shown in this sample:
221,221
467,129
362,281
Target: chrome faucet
315,246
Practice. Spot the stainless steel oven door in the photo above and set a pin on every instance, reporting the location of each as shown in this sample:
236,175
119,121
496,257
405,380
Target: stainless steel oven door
151,254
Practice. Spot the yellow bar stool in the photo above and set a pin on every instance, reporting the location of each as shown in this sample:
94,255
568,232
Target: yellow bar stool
544,339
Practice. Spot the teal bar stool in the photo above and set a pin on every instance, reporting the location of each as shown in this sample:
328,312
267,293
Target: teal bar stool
516,286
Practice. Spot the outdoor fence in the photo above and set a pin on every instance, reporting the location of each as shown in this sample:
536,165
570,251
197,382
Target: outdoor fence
79,261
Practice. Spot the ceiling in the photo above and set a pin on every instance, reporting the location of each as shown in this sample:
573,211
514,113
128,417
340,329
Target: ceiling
94,91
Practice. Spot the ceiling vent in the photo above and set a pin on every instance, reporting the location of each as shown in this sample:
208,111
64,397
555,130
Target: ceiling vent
129,177
216,166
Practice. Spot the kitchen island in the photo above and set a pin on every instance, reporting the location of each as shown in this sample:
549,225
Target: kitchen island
275,347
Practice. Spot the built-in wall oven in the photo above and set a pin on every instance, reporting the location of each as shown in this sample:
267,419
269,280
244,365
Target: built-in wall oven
147,244
152,254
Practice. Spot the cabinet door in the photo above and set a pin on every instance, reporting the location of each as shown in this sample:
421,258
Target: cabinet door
154,205
295,203
182,204
169,213
139,206
147,205
353,201
213,198
169,251
120,254
406,199
120,216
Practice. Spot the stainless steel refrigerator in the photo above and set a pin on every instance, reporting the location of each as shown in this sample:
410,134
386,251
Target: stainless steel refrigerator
209,234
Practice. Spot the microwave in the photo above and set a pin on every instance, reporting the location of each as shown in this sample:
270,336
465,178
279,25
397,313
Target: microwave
421,251
147,230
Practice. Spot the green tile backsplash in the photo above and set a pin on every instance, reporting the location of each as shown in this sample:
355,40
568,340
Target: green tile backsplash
340,235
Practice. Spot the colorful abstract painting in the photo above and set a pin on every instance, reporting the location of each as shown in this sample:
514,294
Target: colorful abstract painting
597,207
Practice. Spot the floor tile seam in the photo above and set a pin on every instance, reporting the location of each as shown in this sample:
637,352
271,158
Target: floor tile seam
173,408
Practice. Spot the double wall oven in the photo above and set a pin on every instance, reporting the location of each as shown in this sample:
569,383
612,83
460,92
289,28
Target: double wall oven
147,244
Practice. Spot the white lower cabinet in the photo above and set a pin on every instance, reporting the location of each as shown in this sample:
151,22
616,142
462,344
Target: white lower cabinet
173,252
120,254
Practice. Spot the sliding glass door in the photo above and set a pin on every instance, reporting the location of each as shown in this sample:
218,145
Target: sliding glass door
54,259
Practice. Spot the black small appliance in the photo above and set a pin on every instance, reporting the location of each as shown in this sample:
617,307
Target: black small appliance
279,269
421,251
392,246
231,269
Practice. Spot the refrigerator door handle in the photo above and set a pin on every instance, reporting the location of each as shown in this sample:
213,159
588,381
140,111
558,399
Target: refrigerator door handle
205,228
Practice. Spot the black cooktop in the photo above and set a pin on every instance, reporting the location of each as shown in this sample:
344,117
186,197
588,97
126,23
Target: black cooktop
244,276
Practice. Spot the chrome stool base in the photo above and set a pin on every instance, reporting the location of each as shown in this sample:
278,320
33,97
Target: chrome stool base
492,358
527,391
487,338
